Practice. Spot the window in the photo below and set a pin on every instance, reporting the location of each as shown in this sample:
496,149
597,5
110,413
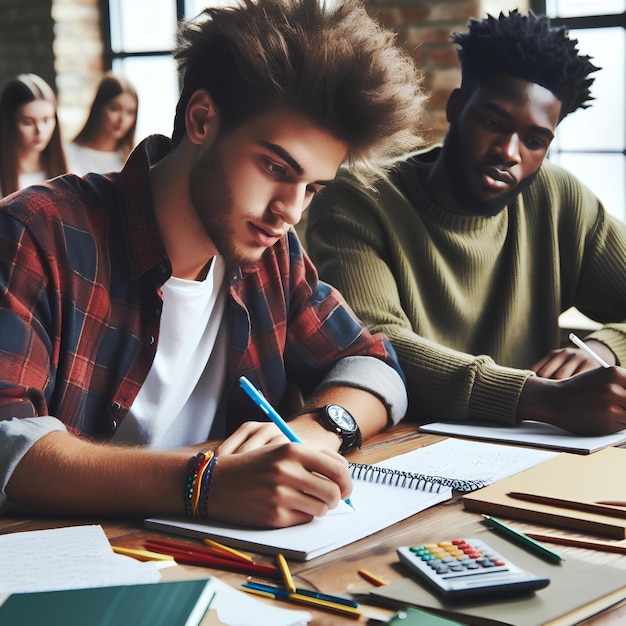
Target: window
591,143
141,38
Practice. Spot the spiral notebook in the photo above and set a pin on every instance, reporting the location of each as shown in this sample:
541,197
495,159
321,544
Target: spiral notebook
375,498
426,477
457,463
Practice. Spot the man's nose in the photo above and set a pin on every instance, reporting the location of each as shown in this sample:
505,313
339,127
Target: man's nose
289,203
509,148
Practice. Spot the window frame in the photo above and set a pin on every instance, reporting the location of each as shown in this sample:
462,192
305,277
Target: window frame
587,22
109,55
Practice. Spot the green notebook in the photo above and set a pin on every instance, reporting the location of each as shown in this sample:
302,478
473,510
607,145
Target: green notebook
181,603
410,616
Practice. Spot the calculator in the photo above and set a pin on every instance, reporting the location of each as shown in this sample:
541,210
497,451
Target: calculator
468,569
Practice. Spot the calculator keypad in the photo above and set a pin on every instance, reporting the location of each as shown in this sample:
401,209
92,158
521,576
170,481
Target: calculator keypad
467,569
457,557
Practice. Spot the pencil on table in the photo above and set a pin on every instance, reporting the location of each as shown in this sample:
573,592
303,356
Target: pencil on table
284,569
214,544
142,555
371,578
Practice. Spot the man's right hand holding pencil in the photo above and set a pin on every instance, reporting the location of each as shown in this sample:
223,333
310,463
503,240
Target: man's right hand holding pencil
277,486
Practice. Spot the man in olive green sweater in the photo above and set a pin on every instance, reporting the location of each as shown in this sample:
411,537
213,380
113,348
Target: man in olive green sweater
466,255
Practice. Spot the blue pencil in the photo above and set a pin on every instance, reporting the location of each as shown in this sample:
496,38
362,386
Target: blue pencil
259,399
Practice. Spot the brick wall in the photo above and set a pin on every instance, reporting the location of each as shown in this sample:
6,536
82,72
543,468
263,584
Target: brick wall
78,54
60,41
26,38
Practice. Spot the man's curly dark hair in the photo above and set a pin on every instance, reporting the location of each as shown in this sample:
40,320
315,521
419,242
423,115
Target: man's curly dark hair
530,48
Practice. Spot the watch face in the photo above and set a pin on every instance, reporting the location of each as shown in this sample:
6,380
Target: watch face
341,417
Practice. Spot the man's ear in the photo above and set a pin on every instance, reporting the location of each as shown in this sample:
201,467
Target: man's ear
201,118
455,104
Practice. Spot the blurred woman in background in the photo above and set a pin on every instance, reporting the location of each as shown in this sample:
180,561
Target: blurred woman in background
30,140
108,135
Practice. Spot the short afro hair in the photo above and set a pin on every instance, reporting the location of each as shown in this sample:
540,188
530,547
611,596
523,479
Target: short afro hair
530,48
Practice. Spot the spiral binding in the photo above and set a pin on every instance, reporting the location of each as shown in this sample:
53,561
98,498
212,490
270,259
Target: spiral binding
410,480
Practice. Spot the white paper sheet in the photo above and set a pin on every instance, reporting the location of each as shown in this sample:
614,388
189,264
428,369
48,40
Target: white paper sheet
74,557
473,461
530,433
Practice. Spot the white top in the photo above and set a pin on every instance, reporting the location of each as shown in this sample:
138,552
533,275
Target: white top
26,180
82,160
32,178
177,403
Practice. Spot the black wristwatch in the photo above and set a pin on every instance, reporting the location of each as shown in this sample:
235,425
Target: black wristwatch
336,418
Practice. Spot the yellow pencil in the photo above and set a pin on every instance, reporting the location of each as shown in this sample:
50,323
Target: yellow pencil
219,546
371,578
285,596
284,570
331,606
258,592
142,555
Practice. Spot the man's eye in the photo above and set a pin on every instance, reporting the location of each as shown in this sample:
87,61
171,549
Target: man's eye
274,169
534,144
490,123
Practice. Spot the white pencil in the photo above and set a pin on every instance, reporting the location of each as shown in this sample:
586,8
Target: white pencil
585,348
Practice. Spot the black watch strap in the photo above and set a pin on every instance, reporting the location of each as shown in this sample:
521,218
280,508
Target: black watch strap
346,428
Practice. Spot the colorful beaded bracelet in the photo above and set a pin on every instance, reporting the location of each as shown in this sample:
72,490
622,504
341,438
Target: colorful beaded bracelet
196,466
205,486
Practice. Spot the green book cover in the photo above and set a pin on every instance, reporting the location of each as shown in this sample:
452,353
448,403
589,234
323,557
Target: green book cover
180,603
411,616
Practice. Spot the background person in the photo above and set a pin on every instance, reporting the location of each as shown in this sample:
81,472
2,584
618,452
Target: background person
108,136
30,140
466,255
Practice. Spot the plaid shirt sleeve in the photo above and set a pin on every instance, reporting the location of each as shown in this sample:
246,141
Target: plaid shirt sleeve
288,328
72,322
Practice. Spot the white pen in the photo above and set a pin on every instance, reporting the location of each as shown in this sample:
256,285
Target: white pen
585,348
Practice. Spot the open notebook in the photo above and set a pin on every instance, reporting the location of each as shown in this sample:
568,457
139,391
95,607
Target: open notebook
378,505
424,477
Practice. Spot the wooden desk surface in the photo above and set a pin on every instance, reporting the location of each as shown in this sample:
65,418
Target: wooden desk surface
336,572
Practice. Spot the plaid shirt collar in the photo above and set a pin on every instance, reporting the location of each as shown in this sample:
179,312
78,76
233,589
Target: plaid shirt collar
143,240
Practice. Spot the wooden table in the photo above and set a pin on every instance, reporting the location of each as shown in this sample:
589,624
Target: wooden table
336,572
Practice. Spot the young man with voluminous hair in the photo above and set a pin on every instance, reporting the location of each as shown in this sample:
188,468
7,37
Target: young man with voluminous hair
132,303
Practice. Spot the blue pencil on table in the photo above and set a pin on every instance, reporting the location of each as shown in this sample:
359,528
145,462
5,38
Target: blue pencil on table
259,399
305,592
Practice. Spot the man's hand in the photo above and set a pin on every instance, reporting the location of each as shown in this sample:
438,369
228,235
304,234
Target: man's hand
278,486
568,362
591,403
249,436
252,435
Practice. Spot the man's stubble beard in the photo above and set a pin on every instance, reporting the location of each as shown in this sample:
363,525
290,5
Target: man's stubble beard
211,199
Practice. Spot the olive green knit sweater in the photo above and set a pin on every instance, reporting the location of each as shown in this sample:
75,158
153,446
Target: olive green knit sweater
470,303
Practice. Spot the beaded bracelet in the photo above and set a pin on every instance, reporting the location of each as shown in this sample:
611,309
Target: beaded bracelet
195,468
205,486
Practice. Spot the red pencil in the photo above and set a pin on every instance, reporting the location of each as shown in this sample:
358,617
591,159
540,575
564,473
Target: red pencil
186,553
201,549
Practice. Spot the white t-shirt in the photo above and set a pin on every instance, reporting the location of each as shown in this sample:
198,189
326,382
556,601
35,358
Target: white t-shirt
82,160
176,405
32,178
26,180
